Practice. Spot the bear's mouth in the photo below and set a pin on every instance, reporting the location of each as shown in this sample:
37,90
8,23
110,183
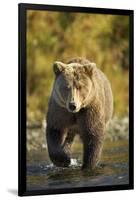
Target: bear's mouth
73,111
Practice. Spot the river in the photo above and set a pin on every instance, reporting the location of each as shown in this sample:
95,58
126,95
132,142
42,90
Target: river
112,170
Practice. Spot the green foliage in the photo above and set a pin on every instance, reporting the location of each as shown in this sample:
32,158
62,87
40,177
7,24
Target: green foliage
52,36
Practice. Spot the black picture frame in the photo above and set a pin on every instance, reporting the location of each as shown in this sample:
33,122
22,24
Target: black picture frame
22,98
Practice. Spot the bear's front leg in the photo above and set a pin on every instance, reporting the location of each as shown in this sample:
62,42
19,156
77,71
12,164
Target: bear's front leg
92,147
56,153
68,142
92,134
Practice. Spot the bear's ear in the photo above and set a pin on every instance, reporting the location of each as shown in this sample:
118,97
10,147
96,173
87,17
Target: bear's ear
90,68
58,67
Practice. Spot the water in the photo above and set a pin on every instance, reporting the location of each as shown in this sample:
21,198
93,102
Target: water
112,170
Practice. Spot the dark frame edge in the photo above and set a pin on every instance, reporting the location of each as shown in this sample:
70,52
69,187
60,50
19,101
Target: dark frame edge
105,188
21,102
50,7
131,99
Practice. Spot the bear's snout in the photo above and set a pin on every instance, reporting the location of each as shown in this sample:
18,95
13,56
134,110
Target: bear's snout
72,106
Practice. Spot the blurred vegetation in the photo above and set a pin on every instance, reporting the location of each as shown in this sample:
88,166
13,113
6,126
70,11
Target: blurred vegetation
52,36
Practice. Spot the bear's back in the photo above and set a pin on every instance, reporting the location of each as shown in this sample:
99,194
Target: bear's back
79,60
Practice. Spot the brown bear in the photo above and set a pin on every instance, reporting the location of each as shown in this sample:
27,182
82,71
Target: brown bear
81,102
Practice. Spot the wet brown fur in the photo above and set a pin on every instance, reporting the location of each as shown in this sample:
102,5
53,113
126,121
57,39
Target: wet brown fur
90,122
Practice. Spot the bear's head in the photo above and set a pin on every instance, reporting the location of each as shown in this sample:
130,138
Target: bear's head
74,86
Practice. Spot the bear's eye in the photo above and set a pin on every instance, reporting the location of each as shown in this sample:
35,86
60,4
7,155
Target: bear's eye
81,85
66,87
78,87
78,78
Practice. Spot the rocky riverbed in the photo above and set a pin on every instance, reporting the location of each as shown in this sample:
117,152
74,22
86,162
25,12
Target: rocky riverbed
117,129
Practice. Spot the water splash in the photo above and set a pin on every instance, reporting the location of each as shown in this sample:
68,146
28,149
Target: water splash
74,162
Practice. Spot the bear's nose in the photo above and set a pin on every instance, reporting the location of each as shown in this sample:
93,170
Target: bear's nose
72,106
